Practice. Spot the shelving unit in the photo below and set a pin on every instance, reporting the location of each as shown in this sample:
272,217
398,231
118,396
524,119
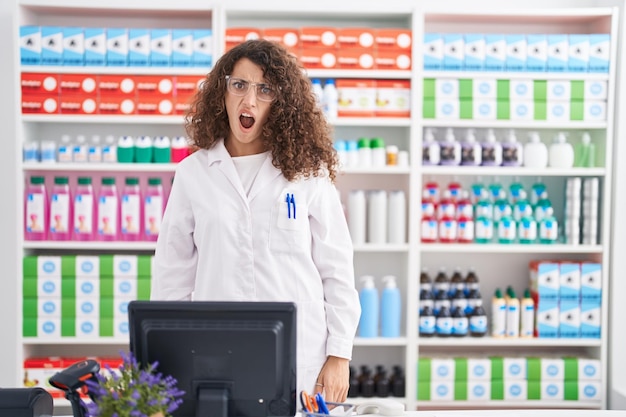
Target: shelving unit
405,260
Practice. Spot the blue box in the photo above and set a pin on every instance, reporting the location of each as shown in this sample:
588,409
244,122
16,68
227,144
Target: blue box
30,45
160,47
73,46
558,53
117,47
591,282
474,52
536,52
569,281
202,48
95,46
569,319
495,52
599,52
578,59
590,319
453,51
433,51
182,47
51,45
515,53
548,319
138,47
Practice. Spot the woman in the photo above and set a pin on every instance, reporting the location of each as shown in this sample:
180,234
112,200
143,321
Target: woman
253,214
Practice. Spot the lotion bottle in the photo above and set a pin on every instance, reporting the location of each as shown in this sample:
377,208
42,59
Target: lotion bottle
430,148
585,152
561,153
535,152
450,149
512,151
491,150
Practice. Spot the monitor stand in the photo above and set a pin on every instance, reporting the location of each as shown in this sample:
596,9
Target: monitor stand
212,402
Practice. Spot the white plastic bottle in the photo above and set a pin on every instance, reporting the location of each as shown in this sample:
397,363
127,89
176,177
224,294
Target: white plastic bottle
430,148
396,217
390,308
535,152
527,316
109,149
498,315
561,153
491,150
331,99
357,216
512,150
80,150
377,217
471,152
318,90
512,316
94,152
64,151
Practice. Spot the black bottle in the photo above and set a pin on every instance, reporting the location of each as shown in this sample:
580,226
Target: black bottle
478,321
426,299
471,281
444,322
460,323
442,282
398,384
457,283
441,300
426,283
366,382
474,298
382,383
459,300
353,391
427,322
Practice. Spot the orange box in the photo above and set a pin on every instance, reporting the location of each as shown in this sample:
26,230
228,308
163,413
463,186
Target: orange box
357,97
393,98
32,82
117,84
288,37
154,85
355,58
393,39
323,58
116,104
77,104
155,105
355,38
86,84
40,103
318,37
392,59
37,373
236,35
187,85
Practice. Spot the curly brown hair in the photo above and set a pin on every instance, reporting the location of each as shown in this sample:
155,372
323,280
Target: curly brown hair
296,131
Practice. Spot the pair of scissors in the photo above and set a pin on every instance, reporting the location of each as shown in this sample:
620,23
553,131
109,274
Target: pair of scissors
313,403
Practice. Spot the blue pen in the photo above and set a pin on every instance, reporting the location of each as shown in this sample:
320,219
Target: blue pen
321,403
293,201
288,206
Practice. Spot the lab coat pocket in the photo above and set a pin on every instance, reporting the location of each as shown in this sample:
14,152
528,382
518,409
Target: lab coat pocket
289,227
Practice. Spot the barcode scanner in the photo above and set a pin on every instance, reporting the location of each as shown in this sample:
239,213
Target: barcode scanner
72,381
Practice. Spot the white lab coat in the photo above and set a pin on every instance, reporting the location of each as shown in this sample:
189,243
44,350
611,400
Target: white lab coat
220,244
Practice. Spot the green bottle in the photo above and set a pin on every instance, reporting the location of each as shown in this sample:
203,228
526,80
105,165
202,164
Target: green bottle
514,190
501,208
542,206
536,191
548,227
522,207
585,152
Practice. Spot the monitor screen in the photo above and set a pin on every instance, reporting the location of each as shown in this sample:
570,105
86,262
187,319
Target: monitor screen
231,358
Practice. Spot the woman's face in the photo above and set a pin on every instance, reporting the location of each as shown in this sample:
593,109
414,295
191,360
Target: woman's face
246,113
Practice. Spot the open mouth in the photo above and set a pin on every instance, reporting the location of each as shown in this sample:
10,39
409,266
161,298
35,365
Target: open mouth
246,120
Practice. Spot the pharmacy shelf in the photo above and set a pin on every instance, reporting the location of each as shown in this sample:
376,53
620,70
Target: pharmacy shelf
380,341
365,74
512,171
75,341
515,75
92,245
516,124
372,121
439,342
389,170
537,404
113,119
387,247
201,71
509,248
98,167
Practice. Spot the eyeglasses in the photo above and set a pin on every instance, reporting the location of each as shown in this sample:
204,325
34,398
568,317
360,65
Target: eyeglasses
239,87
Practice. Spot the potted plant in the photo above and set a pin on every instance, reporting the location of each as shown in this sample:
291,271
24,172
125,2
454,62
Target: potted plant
131,391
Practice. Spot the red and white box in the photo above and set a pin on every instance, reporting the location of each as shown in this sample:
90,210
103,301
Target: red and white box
77,104
288,37
85,84
236,35
155,105
356,38
154,85
357,97
37,373
318,37
123,85
40,103
393,98
36,83
116,105
318,58
355,58
186,86
182,104
393,39
392,59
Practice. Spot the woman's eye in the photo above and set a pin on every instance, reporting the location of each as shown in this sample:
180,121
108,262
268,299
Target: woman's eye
266,90
239,85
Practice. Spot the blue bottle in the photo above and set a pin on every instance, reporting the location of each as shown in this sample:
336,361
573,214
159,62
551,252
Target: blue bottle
391,307
368,324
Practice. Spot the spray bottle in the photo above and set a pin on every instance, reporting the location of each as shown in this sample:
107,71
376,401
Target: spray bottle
368,325
391,306
527,319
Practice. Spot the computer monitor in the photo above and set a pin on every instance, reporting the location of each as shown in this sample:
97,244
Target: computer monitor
232,359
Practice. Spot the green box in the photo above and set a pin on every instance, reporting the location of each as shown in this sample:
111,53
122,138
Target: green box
466,88
29,266
576,110
460,390
497,389
577,88
106,266
143,288
68,287
423,370
466,109
68,308
29,327
460,370
30,307
541,110
570,390
497,368
68,327
533,369
503,110
423,391
534,390
106,327
68,266
106,287
428,108
503,91
429,88
106,308
571,369
540,90
29,287
144,266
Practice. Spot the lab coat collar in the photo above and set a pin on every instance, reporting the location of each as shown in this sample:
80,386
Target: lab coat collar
267,173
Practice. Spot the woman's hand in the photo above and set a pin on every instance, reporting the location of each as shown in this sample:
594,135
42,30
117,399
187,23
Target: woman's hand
334,379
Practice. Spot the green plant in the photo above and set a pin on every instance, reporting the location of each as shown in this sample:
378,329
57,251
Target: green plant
131,391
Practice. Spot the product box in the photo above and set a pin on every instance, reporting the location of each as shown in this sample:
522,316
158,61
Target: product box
515,52
521,109
181,105
552,369
552,390
446,88
288,37
594,110
39,83
82,84
558,53
87,327
558,110
482,109
116,105
392,59
355,58
318,37
453,51
433,51
544,280
578,58
441,109
583,390
439,369
186,86
318,58
558,90
514,390
120,306
589,369
41,287
138,47
87,266
357,97
161,86
599,52
536,52
393,38
30,45
355,37
547,320
42,328
117,85
117,47
393,98
514,368
593,90
591,281
125,287
521,89
95,46
37,103
160,47
45,266
77,104
478,369
73,46
436,390
236,35
182,47
474,54
150,105
591,318
41,307
87,308
39,370
484,88
51,45
478,390
495,52
120,327
87,287
202,48
569,281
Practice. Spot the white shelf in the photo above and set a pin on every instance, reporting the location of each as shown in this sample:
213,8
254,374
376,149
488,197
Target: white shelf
380,341
75,341
371,247
89,245
99,167
201,71
114,119
372,121
369,74
508,248
515,124
439,342
390,170
538,404
504,75
512,171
